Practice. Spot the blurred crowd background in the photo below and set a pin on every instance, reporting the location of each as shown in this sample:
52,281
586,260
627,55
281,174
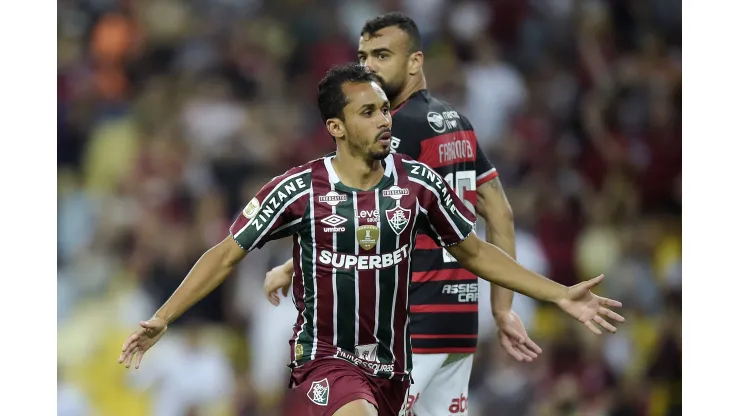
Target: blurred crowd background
172,114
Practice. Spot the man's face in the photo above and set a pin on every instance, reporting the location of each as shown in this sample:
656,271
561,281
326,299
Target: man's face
386,54
367,120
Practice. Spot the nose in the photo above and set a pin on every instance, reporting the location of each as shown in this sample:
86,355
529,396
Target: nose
370,65
385,120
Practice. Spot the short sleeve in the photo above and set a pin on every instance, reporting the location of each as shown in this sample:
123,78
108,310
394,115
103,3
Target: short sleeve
484,169
450,222
275,212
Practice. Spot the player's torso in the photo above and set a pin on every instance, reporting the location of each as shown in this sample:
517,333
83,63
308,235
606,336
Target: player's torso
443,295
355,252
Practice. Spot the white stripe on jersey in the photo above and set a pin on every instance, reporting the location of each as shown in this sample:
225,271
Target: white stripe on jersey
484,174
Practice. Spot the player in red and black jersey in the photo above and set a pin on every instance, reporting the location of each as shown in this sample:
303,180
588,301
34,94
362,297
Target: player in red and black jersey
351,345
443,295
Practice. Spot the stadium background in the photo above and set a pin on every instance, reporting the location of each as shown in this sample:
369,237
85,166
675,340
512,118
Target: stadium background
172,113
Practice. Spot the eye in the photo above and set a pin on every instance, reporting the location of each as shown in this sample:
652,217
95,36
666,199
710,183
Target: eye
383,56
386,110
361,59
367,113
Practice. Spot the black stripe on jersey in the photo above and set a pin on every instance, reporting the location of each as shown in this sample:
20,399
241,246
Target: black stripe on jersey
444,323
443,343
424,260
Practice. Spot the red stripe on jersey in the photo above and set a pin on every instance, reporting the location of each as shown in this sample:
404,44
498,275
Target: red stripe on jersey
299,294
447,336
424,242
324,296
440,275
488,177
366,279
464,350
443,308
400,317
448,149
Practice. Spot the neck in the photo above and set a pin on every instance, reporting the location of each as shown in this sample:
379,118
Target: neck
357,171
413,85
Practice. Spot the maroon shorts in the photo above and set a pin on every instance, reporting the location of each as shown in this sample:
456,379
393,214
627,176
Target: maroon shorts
321,387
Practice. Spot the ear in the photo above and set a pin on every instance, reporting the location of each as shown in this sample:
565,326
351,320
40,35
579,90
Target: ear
416,62
336,128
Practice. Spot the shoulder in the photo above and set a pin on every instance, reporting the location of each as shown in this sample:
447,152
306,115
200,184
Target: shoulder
287,188
420,173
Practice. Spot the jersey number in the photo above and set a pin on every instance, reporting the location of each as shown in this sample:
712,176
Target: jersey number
460,182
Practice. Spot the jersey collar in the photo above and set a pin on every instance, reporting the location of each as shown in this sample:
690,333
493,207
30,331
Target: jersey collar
334,178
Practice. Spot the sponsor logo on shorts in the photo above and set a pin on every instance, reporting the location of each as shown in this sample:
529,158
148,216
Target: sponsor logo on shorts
370,365
459,405
319,392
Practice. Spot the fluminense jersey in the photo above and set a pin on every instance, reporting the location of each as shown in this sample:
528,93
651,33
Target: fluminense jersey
351,255
444,296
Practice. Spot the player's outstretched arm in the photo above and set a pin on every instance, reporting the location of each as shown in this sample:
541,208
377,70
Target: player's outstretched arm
492,264
207,274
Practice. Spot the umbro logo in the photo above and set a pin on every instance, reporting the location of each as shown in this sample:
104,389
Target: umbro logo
334,221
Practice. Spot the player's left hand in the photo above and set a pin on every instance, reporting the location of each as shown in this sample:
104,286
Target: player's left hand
580,303
513,337
276,279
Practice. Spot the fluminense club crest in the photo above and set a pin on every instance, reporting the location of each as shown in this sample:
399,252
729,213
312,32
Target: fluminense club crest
398,218
319,392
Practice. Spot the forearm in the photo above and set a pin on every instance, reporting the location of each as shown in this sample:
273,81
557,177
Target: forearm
492,264
206,275
501,235
288,266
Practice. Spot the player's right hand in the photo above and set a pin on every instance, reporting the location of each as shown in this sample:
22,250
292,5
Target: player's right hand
140,341
277,278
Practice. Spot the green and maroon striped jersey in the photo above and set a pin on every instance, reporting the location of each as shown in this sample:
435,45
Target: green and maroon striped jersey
351,255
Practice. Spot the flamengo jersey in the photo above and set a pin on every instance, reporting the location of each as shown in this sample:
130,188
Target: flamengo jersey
351,255
443,295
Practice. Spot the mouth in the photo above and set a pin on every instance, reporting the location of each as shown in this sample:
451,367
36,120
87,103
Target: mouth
385,138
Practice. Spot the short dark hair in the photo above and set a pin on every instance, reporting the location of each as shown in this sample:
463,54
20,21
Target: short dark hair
399,19
331,98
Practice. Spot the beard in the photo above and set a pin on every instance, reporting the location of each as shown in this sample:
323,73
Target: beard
366,150
391,89
381,154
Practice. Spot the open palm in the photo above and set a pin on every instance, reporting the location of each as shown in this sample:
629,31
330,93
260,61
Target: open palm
580,303
140,341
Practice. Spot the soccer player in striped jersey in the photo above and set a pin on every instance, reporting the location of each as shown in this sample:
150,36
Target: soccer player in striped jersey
443,295
351,348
